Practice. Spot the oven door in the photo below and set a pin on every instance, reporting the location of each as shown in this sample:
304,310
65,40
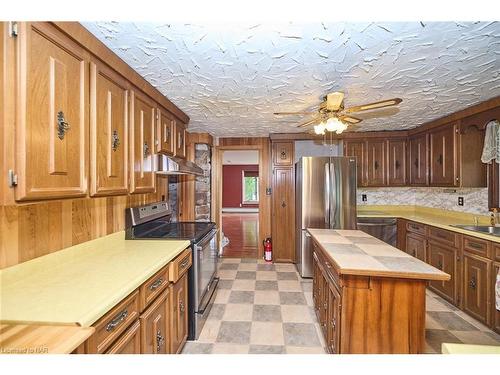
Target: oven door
205,268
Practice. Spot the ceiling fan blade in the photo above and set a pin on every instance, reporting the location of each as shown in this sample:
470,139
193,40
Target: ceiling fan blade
375,105
350,119
307,123
334,101
293,113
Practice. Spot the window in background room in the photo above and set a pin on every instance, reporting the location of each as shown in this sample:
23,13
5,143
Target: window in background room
250,187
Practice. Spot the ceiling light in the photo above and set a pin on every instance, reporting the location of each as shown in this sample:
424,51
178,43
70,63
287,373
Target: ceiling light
320,128
341,128
333,124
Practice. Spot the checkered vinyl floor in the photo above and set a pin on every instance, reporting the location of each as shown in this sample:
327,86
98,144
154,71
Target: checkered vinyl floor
268,308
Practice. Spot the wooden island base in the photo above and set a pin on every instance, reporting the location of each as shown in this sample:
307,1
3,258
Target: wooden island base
364,313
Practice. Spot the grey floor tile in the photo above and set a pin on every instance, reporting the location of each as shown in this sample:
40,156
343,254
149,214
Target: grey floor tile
234,332
451,321
246,275
228,266
266,285
292,298
225,284
197,348
266,267
241,297
306,287
248,260
435,337
300,334
217,311
287,276
267,349
266,313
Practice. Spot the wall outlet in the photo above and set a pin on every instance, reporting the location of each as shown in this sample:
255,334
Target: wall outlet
363,197
460,201
268,191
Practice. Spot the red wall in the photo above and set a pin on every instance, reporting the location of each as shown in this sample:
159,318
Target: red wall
232,189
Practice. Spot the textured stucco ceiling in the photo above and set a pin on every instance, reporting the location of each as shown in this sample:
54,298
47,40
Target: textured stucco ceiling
231,78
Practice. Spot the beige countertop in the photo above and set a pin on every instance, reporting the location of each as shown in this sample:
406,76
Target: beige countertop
78,285
450,348
354,252
38,339
431,216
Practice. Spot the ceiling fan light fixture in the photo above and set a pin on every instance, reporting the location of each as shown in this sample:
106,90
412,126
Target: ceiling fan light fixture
341,128
320,128
333,124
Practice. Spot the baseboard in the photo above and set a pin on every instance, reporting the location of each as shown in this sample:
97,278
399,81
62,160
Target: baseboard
240,209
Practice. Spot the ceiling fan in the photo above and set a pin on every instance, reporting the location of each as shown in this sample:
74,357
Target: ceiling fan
333,117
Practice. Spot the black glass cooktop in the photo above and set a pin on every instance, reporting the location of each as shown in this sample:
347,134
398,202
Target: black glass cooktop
183,230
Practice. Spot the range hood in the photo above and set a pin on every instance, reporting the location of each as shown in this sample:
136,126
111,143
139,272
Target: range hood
173,165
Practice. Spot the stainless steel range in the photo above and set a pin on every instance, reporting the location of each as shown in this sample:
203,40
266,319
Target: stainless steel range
153,222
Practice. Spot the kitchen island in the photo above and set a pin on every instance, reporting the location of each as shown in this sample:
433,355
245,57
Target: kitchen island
369,296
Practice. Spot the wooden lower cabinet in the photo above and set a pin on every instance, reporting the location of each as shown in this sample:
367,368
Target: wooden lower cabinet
129,342
155,326
444,258
495,314
333,321
476,276
178,314
415,246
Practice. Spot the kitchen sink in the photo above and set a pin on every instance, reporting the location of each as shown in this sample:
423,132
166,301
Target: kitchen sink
495,231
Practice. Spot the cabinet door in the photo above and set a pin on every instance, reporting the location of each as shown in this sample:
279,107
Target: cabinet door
358,150
415,246
333,324
128,343
476,283
142,121
155,326
283,214
397,162
418,160
180,140
52,115
316,277
443,171
179,314
283,153
165,133
108,131
376,163
495,314
444,258
323,298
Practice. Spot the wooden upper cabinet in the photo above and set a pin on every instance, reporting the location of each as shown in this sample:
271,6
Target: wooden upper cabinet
180,140
142,124
165,132
443,156
52,114
472,172
397,162
376,162
418,160
357,148
283,153
108,131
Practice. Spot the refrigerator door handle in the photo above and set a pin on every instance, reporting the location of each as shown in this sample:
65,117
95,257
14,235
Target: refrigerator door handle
327,194
333,191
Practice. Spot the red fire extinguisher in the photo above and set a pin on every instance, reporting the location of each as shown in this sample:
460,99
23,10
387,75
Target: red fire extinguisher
268,250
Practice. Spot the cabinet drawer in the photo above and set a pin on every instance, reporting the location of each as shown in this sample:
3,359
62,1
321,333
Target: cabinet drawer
443,235
180,265
128,343
153,287
477,246
111,325
496,252
414,227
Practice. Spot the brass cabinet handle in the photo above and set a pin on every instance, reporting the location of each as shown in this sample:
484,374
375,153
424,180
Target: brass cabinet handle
283,204
181,306
440,159
62,125
415,253
116,320
115,140
184,263
376,164
146,149
334,323
472,283
475,245
440,265
160,340
156,284
397,164
416,163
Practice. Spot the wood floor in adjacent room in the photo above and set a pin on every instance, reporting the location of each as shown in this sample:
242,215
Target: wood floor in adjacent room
268,308
242,230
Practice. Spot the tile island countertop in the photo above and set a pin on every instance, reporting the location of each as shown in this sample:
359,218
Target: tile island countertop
78,285
354,252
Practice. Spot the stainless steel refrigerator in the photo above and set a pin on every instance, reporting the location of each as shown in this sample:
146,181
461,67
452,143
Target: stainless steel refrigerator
325,197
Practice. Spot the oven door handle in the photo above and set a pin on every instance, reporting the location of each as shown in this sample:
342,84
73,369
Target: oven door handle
200,245
211,290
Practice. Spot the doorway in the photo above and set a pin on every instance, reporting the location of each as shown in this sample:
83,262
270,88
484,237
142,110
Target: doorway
240,203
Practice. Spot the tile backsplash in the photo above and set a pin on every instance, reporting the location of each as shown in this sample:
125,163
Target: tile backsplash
475,200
